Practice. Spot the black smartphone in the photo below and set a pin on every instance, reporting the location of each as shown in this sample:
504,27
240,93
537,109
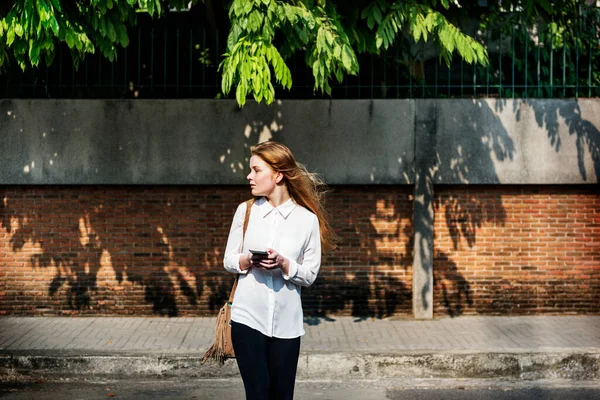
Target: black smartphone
259,252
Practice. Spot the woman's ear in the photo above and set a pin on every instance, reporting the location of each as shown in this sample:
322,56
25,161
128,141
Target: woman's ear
279,177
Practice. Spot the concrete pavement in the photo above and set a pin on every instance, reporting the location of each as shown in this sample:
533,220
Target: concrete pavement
528,347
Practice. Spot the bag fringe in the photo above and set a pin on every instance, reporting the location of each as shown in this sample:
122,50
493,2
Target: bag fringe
222,348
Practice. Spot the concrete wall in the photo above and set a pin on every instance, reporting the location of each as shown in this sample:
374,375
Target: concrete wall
348,141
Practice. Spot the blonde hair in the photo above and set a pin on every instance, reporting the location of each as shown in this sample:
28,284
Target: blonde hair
306,188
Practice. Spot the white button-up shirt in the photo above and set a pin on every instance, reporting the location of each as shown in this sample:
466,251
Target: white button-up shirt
268,300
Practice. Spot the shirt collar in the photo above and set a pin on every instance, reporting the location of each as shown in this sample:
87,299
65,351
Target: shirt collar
284,209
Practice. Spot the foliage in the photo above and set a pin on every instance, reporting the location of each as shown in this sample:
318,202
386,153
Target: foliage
265,34
31,29
561,37
330,39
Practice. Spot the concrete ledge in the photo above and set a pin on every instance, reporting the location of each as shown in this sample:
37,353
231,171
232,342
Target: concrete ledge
313,366
200,141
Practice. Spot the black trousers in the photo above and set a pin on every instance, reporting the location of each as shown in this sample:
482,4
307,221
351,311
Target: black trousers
267,365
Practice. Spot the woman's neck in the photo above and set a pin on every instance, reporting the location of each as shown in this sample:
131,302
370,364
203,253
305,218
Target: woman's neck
278,197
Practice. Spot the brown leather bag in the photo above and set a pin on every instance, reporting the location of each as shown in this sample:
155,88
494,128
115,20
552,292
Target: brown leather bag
222,347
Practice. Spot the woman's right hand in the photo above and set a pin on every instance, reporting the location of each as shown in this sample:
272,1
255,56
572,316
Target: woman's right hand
250,260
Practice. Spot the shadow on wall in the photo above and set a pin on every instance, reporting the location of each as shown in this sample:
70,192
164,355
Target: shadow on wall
368,275
547,115
95,246
478,137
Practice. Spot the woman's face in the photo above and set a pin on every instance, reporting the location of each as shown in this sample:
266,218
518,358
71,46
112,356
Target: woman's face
263,179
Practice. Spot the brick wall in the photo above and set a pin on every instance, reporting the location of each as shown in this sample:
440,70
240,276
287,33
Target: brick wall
157,250
517,250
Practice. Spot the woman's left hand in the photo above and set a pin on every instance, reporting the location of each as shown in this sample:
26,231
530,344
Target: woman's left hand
275,260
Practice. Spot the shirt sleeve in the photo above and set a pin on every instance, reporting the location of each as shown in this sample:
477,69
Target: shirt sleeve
234,249
305,273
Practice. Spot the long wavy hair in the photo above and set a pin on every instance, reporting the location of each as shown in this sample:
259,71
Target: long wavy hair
306,188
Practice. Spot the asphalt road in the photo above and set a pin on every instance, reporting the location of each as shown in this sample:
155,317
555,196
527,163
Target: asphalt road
40,389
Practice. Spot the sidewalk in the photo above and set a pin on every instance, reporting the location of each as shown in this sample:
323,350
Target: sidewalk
530,347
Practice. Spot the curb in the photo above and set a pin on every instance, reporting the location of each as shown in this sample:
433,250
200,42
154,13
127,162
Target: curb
316,366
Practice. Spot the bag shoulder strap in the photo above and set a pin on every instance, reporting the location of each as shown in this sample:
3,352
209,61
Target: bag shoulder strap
249,204
247,216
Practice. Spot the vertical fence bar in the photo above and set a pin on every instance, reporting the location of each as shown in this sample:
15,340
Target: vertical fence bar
462,77
526,36
474,79
487,68
410,68
86,73
139,54
449,79
59,70
216,68
423,73
577,61
539,68
152,60
590,70
33,82
125,71
191,58
500,66
564,69
98,79
436,74
359,86
73,80
203,64
47,85
165,63
397,60
384,88
513,60
372,75
177,68
551,64
112,78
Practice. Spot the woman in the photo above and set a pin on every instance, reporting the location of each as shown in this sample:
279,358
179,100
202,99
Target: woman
287,221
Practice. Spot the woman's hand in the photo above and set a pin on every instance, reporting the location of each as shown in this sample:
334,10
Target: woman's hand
275,260
250,260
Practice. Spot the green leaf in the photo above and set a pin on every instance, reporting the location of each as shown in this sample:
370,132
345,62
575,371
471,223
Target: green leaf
348,58
70,39
240,95
247,6
103,27
337,51
123,37
10,36
446,39
253,23
303,34
237,8
339,74
34,52
54,26
43,10
56,4
112,34
377,14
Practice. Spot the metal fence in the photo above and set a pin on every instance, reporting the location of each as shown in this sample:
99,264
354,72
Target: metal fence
182,62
